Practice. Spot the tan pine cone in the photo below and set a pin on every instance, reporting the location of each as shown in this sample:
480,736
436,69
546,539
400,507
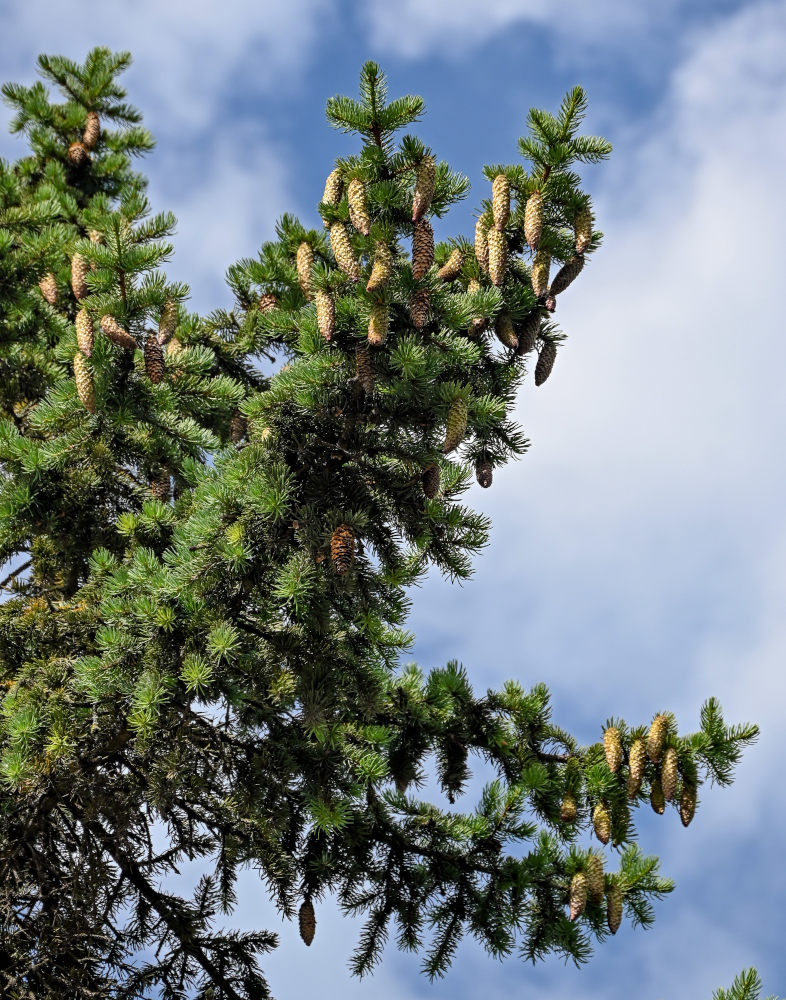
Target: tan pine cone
422,248
596,881
334,189
419,308
582,228
161,487
307,921
657,737
267,302
546,359
568,809
79,269
484,473
567,274
238,427
614,908
364,367
382,269
425,181
456,426
304,262
84,332
482,243
326,314
452,267
430,481
85,386
378,324
478,324
636,761
668,773
117,334
342,548
687,802
343,251
95,236
533,219
601,821
540,273
657,798
500,201
498,256
613,748
578,895
167,324
528,334
78,155
154,359
48,286
92,132
503,327
358,208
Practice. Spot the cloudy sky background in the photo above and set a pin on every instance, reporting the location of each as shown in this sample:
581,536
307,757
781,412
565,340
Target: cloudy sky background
638,551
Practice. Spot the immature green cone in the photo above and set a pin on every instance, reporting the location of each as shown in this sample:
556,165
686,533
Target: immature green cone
596,881
358,208
687,802
326,314
161,487
528,334
48,286
601,820
540,273
456,425
154,359
482,243
117,334
238,427
79,271
668,773
430,481
657,798
533,219
92,132
500,201
636,761
503,327
614,908
307,921
85,387
422,248
452,266
484,473
568,809
567,274
167,324
546,359
382,269
334,188
613,748
84,332
425,180
419,308
378,324
364,367
657,737
578,895
342,548
343,251
582,228
267,302
78,155
498,256
304,262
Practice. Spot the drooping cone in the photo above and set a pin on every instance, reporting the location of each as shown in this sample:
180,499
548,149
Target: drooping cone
419,308
343,251
533,219
528,334
546,359
636,761
326,314
578,895
48,286
78,155
92,132
304,261
382,269
84,382
267,302
79,271
422,248
503,327
307,921
482,243
425,179
614,908
456,425
84,332
484,473
168,322
334,188
358,209
613,748
378,324
540,273
238,427
657,798
478,324
582,227
498,256
657,737
601,820
452,266
500,201
596,882
154,359
668,773
364,367
342,548
117,334
430,481
568,809
687,802
161,487
567,274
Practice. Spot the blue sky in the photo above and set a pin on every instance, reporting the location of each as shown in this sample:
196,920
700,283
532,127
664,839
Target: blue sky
638,551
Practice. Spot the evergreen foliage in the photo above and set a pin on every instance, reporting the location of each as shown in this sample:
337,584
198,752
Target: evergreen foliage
200,648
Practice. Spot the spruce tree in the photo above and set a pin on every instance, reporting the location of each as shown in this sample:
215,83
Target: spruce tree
202,638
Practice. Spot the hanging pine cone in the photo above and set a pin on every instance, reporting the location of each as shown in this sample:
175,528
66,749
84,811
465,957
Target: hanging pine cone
484,473
687,802
568,809
540,273
364,367
382,268
326,314
238,427
84,332
154,359
79,271
307,921
452,267
161,487
567,274
92,132
546,359
478,324
168,322
582,227
419,308
304,262
85,387
378,324
358,209
506,334
48,286
657,798
422,248
117,334
596,882
430,481
268,302
425,181
668,773
78,155
533,219
500,201
343,251
498,256
636,761
601,821
528,334
342,548
334,188
456,425
613,748
657,737
578,895
482,243
613,908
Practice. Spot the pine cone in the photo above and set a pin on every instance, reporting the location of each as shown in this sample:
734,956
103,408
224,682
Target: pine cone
533,219
343,251
657,798
154,359
364,367
498,256
342,548
568,809
613,748
687,802
452,267
422,248
92,132
482,243
161,487
168,322
85,387
425,180
578,895
326,314
614,908
48,286
567,274
430,481
601,820
358,209
307,921
636,762
478,324
378,324
503,327
582,227
657,737
334,188
419,308
382,268
117,334
596,882
484,473
540,273
304,262
238,427
528,334
267,302
546,359
84,332
456,425
95,236
668,773
79,271
78,155
500,201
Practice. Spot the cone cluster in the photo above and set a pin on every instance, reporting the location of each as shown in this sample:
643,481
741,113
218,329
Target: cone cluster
500,201
456,425
358,207
326,314
342,548
85,387
343,251
422,248
307,921
79,269
425,181
117,334
546,359
84,332
430,481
